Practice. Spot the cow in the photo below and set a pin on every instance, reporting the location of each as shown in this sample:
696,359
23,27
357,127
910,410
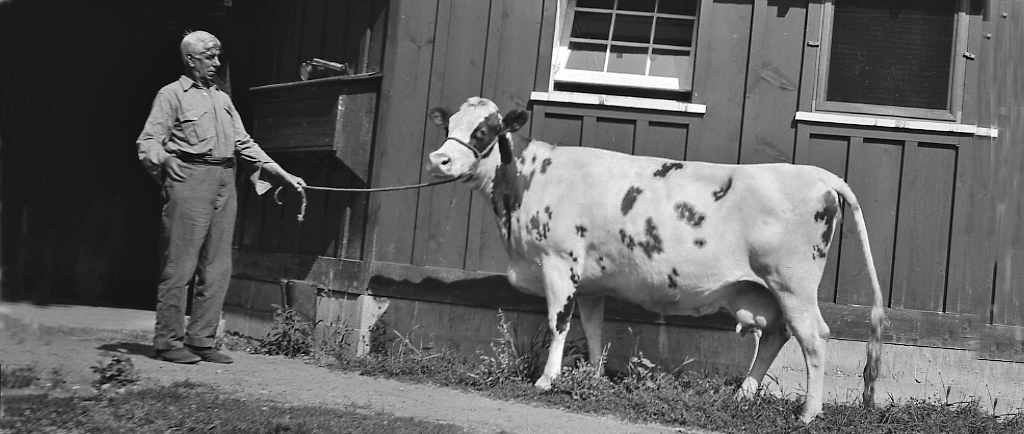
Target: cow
675,237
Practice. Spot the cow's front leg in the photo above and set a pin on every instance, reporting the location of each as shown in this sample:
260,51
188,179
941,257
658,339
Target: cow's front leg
559,290
592,317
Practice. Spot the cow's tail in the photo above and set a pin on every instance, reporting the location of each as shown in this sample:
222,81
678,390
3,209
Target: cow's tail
874,344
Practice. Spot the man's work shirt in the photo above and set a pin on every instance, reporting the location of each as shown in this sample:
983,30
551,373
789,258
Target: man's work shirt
190,121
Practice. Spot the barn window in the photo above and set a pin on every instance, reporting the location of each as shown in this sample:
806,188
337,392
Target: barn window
893,57
629,47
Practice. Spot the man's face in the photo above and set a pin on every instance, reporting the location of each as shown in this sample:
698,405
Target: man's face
205,63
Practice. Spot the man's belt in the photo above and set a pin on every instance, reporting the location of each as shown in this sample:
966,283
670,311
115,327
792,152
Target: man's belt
206,160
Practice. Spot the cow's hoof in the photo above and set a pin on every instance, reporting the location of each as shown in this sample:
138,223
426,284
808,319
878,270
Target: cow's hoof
747,390
543,383
808,417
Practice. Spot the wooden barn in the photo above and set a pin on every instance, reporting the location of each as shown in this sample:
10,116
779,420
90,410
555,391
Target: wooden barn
918,104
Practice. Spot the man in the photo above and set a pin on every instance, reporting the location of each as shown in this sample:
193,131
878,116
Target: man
189,144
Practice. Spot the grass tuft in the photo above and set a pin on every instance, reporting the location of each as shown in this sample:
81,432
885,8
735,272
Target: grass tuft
118,371
291,335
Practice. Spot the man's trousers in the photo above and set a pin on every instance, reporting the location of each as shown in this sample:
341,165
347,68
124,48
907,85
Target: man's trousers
197,228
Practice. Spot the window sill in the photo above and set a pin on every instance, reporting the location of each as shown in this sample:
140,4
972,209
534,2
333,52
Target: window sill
619,101
870,121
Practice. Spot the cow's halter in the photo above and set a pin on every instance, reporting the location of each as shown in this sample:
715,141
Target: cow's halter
476,152
506,156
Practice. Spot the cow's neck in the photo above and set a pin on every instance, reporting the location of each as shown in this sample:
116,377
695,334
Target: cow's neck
503,184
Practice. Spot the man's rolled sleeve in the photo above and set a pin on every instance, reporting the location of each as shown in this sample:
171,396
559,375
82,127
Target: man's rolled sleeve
150,144
249,151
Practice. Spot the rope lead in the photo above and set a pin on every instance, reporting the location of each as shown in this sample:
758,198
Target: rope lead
302,192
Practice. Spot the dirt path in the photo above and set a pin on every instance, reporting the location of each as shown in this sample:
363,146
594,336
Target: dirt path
48,340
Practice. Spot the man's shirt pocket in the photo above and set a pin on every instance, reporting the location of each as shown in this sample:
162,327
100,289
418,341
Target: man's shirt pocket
198,126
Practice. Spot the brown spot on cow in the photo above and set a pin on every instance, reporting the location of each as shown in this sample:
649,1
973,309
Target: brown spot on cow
672,282
700,242
544,165
630,199
539,228
721,192
689,214
627,240
819,252
828,214
666,168
563,317
652,244
581,231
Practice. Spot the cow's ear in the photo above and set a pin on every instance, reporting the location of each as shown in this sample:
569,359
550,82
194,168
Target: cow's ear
515,119
439,116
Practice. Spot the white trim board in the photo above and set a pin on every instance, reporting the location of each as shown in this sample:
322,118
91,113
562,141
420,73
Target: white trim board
619,101
910,124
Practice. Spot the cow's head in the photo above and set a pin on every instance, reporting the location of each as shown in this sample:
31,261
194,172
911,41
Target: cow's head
471,136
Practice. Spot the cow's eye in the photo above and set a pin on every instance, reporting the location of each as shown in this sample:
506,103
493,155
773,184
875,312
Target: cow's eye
479,134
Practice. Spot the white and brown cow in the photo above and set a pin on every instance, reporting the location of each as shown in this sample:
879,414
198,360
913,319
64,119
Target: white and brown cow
680,238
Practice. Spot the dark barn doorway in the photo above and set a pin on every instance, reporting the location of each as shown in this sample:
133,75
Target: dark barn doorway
79,215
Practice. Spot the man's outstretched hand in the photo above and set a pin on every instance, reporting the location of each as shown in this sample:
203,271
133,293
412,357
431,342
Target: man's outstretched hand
294,181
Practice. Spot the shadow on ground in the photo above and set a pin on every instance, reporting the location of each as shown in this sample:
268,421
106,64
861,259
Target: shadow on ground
134,348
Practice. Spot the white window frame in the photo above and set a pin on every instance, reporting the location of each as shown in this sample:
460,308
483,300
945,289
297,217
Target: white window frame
958,58
559,74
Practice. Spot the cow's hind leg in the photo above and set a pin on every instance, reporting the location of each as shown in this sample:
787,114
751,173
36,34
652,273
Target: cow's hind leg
559,290
800,308
592,317
772,341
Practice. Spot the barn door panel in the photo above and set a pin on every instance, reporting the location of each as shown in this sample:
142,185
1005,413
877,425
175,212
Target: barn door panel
922,237
874,175
972,241
661,139
611,134
559,129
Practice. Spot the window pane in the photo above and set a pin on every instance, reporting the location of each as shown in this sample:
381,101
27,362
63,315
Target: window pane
892,52
630,28
628,60
679,7
591,25
669,63
669,31
636,5
589,57
603,4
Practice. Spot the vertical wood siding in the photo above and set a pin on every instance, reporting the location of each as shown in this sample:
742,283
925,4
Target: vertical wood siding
1006,99
725,37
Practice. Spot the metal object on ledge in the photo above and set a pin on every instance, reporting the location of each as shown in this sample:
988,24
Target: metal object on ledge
319,68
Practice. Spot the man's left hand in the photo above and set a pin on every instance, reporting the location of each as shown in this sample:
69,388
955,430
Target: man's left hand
295,181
